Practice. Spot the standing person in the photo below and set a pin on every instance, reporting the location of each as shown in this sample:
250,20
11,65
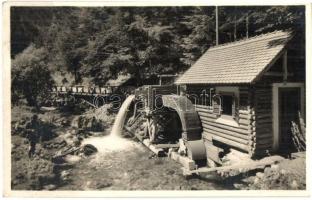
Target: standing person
32,129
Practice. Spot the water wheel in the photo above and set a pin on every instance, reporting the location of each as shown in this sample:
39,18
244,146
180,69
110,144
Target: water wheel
151,129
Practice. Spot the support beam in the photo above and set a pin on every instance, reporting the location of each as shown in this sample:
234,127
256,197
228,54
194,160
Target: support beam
285,70
240,167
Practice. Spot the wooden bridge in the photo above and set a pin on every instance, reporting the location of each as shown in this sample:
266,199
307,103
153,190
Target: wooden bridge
93,96
84,90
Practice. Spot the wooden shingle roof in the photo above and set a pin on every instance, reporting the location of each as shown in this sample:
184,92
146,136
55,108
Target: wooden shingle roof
238,62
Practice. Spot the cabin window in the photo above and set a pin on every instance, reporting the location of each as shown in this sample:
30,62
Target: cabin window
226,105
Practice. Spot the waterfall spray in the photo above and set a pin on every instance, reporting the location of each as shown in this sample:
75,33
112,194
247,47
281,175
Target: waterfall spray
114,142
121,116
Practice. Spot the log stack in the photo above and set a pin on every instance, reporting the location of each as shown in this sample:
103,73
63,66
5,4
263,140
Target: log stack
298,137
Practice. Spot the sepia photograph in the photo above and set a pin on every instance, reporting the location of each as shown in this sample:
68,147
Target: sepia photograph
145,98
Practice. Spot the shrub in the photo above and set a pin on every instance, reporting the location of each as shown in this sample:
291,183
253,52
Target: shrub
31,77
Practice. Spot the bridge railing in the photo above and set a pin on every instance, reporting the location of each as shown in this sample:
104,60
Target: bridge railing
83,89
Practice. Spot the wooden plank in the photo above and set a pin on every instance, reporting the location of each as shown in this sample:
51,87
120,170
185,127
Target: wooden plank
157,151
165,146
264,115
230,142
263,146
229,128
229,137
264,134
231,133
213,116
264,130
244,121
264,120
204,110
263,112
246,116
185,161
252,165
245,112
259,125
263,141
203,107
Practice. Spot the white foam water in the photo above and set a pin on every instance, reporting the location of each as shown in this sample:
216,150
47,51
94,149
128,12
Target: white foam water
114,142
109,143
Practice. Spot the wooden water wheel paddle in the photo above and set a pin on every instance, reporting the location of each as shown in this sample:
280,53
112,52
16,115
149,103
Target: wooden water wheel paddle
152,129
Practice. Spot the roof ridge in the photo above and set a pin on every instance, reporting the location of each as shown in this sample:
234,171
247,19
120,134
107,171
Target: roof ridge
246,40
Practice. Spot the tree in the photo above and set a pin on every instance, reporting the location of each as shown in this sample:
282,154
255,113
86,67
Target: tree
30,76
101,43
199,27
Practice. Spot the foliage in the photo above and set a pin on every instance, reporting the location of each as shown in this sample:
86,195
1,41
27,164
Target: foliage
30,76
99,44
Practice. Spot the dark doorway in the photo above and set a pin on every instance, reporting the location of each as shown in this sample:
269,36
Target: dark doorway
289,105
227,101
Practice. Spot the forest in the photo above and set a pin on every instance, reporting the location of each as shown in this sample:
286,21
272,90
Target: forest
92,45
64,141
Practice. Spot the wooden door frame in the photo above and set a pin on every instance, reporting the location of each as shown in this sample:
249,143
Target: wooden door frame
275,106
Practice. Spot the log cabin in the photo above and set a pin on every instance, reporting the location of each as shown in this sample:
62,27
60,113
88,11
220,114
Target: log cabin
247,93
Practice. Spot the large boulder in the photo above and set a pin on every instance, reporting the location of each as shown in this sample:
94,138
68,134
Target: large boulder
89,149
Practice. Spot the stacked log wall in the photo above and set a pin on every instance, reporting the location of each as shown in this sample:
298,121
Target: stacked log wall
239,137
263,140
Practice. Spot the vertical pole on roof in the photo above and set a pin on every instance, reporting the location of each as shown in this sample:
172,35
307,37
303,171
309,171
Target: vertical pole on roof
285,70
235,24
235,28
217,26
247,28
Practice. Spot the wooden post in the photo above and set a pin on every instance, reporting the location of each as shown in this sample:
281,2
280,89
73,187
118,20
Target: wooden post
235,25
285,70
217,26
247,28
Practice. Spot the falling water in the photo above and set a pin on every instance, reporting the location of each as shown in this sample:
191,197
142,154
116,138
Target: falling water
114,142
121,116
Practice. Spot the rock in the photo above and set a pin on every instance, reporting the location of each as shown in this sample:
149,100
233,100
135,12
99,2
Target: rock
49,187
76,142
65,122
294,185
298,155
170,172
283,171
20,176
15,182
260,175
178,187
275,167
103,185
256,180
238,185
64,175
89,149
